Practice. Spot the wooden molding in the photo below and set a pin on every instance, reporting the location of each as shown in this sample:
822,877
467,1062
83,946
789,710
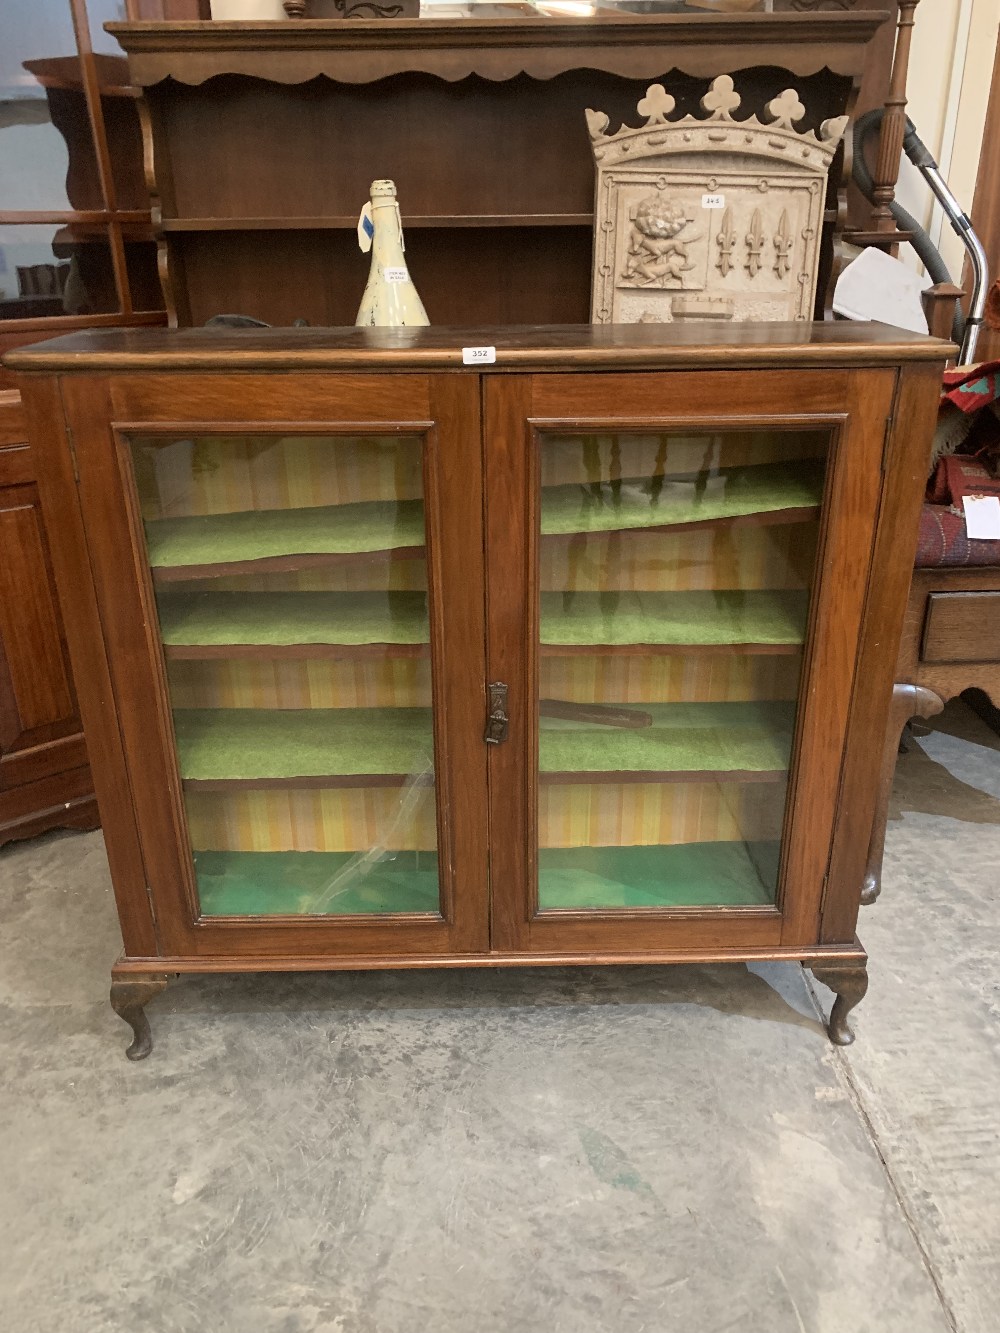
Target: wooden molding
550,347
362,50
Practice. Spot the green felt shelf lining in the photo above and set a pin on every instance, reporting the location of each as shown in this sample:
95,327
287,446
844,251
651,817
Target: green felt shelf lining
244,744
686,618
380,525
707,874
250,743
697,874
214,619
350,529
637,503
315,883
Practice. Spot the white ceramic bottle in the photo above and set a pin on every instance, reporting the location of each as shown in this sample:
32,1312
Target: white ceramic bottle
390,297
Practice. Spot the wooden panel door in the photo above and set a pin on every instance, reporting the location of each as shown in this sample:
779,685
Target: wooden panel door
289,575
44,777
678,636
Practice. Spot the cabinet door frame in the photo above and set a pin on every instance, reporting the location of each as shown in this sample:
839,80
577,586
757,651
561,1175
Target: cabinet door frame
856,406
444,410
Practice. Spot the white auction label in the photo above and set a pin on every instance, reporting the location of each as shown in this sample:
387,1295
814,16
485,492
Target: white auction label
982,517
713,201
479,356
395,274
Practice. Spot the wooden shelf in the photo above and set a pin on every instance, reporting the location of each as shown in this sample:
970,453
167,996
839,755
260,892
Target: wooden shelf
738,742
297,624
250,541
204,625
631,46
303,747
442,221
228,748
679,622
746,494
293,652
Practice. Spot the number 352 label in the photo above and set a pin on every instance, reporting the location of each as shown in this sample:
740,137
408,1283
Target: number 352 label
479,356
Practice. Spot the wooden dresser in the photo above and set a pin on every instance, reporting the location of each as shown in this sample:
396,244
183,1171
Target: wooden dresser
572,655
44,778
262,140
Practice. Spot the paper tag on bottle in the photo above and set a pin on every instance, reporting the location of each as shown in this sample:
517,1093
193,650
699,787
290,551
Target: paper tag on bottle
366,228
478,356
396,274
982,517
713,201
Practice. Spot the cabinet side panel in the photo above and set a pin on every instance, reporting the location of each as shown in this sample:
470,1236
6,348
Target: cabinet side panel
78,602
906,462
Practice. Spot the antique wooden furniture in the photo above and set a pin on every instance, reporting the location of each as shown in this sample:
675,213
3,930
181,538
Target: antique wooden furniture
950,643
480,123
44,778
570,656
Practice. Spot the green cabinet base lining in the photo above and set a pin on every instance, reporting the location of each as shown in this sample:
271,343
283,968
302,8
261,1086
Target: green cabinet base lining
710,874
315,883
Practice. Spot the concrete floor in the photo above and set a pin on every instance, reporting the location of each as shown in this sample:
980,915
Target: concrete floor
569,1151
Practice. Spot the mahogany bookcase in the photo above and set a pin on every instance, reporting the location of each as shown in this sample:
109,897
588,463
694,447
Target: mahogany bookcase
387,660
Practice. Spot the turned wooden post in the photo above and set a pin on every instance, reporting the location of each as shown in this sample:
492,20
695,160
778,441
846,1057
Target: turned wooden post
939,307
295,9
890,144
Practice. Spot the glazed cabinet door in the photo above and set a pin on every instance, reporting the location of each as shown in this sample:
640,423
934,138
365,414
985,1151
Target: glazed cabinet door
678,648
289,571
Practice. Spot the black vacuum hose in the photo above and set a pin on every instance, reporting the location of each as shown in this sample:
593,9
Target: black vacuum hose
915,150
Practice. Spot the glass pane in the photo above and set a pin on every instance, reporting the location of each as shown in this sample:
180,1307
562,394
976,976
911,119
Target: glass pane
47,160
291,587
55,270
675,580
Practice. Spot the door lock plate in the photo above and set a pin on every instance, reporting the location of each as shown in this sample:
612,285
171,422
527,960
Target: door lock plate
496,719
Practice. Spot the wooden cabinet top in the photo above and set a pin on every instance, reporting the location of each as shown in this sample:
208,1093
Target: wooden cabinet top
633,47
554,347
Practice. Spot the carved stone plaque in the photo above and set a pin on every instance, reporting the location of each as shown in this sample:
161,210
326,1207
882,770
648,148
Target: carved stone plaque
709,218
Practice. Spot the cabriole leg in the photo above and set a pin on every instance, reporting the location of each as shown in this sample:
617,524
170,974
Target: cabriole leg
848,981
129,996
